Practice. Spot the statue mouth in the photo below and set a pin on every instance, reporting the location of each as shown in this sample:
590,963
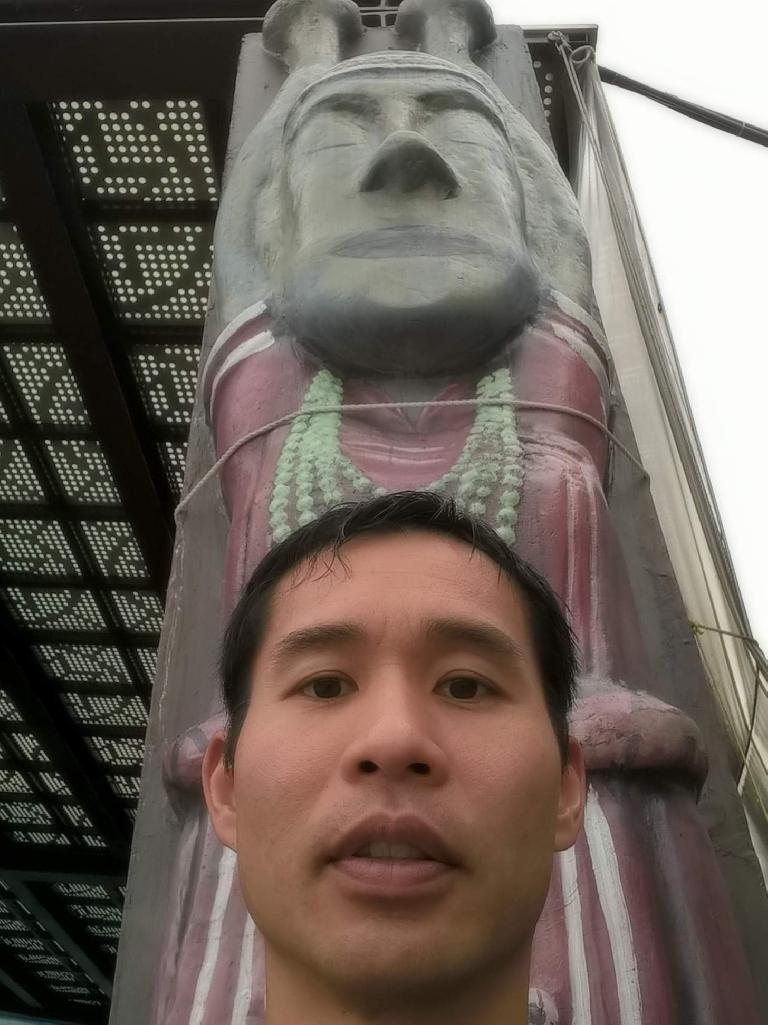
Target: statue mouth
407,240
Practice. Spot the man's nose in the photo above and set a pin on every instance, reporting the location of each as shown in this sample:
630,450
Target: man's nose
395,740
405,162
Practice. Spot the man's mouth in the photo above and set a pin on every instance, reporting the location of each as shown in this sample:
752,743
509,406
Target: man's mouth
392,852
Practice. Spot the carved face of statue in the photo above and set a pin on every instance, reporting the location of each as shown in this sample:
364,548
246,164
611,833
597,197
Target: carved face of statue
404,247
404,683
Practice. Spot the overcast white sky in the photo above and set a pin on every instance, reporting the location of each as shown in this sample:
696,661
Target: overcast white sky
703,200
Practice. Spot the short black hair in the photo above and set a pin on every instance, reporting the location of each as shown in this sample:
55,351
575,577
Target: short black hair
397,512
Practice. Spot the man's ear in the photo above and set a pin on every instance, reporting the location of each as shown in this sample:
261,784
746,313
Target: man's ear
219,790
573,793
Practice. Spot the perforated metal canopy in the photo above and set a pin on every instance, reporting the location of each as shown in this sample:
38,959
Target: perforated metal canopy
112,140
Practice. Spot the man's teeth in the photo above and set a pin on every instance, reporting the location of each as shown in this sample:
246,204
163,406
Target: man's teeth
391,850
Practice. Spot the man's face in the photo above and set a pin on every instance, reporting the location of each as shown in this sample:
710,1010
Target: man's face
403,685
407,224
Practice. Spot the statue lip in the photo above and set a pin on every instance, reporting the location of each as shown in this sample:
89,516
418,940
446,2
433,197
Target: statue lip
406,240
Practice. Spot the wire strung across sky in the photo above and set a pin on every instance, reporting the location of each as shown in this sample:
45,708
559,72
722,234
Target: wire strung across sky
708,117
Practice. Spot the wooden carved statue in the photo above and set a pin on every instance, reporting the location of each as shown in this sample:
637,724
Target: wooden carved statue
404,283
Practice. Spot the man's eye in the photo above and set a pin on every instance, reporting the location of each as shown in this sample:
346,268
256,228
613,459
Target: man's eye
464,688
325,687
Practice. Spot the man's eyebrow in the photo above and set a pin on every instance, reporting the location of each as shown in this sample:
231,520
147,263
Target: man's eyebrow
480,635
309,638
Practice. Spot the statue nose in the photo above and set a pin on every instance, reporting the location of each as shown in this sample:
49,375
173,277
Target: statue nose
405,162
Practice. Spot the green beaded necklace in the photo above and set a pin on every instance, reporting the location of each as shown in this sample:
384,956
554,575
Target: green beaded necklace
313,474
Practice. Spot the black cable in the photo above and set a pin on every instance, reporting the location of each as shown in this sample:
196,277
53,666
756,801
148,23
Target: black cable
708,117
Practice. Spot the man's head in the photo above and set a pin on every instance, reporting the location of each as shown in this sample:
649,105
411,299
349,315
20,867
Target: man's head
391,662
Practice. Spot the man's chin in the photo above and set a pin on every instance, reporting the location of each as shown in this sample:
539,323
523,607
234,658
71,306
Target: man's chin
430,332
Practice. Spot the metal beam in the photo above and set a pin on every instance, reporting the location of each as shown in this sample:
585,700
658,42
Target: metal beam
18,991
89,10
77,60
37,863
42,710
201,210
55,508
23,893
33,205
86,581
121,638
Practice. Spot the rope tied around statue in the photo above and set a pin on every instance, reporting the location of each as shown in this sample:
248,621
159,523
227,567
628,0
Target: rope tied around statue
289,418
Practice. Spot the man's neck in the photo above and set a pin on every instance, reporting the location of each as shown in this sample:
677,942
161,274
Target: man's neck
293,998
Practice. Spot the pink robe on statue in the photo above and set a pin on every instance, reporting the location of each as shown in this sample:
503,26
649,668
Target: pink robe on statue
637,929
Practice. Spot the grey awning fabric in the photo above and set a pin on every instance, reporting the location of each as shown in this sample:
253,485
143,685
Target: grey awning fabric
652,384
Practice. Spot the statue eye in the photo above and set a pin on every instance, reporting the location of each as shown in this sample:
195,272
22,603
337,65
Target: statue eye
464,688
326,687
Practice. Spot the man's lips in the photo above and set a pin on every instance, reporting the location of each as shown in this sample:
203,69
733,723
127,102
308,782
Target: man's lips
392,877
394,830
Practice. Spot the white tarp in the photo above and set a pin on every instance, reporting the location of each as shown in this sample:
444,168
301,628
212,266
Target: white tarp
652,385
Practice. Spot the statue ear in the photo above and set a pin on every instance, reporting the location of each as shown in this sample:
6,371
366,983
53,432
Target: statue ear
252,218
554,229
573,788
219,790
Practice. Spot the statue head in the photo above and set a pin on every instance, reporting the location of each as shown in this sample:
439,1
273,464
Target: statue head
401,216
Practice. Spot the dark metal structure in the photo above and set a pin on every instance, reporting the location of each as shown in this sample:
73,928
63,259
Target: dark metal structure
113,125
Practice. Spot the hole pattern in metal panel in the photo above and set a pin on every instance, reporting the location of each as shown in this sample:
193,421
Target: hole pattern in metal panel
148,659
59,609
43,959
83,471
14,782
9,925
28,746
98,912
21,301
8,711
115,549
77,816
125,786
18,482
25,943
109,932
138,610
91,840
157,273
138,150
18,813
54,783
42,838
58,976
88,891
106,709
174,457
35,548
46,383
167,376
114,751
86,663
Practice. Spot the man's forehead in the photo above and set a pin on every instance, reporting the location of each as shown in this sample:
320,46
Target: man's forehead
413,561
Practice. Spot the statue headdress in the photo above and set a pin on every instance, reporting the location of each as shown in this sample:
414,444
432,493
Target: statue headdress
319,41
